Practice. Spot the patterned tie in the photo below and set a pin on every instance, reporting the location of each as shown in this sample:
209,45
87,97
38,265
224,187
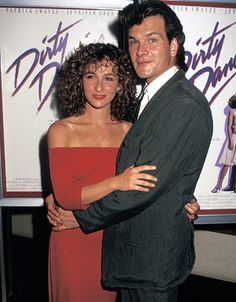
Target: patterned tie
136,111
143,103
138,105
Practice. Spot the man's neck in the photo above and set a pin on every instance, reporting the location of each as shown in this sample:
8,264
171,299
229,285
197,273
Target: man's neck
156,84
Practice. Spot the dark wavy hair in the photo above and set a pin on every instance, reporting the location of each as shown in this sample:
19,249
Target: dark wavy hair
134,14
232,101
69,93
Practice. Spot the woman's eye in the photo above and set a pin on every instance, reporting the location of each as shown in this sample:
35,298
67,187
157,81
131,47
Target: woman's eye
89,76
109,79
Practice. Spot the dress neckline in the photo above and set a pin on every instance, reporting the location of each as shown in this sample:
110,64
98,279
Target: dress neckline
83,147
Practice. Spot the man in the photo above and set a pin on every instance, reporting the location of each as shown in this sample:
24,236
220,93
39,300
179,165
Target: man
148,241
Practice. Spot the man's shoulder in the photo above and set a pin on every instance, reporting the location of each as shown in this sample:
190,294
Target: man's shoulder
185,90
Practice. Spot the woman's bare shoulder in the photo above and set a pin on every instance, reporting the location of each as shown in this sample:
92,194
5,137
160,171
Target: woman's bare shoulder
231,112
59,126
126,125
58,132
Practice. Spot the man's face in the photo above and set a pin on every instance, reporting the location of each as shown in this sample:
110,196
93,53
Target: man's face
150,51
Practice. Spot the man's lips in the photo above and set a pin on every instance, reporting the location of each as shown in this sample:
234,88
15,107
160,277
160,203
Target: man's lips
143,62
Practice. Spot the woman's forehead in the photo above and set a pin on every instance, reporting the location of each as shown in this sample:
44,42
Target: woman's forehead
103,64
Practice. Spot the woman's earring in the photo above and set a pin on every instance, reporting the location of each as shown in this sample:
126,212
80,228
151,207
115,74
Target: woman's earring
118,90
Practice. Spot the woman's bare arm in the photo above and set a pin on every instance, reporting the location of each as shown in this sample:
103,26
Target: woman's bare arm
132,178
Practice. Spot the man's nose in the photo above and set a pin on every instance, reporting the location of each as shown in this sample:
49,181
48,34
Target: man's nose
142,49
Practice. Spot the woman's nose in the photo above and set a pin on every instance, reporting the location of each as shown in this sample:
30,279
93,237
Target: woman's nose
98,86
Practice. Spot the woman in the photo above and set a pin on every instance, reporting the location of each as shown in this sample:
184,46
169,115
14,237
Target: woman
228,157
95,90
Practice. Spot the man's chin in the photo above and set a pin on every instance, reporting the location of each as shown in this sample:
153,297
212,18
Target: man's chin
142,75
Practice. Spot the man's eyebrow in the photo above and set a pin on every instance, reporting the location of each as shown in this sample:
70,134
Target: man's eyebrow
153,33
148,34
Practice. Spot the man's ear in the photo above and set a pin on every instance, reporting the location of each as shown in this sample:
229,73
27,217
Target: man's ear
174,46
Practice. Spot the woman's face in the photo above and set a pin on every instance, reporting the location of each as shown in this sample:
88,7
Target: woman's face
100,84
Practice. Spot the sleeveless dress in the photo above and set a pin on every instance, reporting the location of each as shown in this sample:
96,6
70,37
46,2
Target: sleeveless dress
228,156
74,269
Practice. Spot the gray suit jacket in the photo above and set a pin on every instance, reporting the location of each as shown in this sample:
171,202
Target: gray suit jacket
148,240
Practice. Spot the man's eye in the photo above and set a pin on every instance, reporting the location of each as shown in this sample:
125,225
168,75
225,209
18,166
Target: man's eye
132,42
152,40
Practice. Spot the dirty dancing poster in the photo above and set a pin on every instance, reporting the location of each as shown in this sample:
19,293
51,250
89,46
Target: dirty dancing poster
36,42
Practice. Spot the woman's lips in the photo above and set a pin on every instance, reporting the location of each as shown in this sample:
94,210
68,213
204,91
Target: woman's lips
99,96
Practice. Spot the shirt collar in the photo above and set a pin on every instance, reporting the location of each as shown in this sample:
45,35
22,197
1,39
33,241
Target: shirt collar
156,84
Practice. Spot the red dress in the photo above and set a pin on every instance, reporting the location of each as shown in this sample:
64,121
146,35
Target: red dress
75,258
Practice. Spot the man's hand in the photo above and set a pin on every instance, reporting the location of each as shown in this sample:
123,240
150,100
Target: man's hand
59,219
192,209
52,214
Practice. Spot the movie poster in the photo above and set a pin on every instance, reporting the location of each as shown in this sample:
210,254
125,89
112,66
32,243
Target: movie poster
36,42
211,57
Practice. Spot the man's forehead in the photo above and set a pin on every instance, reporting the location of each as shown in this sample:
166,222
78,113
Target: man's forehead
152,24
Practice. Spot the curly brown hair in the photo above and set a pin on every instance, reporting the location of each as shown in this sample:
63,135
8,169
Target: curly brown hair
69,88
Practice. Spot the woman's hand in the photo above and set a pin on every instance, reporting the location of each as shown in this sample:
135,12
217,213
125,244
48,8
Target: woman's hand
230,145
134,178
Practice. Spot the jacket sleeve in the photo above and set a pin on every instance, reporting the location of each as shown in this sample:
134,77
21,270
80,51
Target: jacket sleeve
177,145
66,189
